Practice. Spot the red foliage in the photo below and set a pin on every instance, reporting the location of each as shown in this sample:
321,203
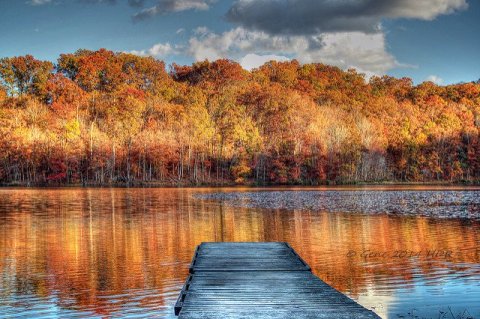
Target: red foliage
109,117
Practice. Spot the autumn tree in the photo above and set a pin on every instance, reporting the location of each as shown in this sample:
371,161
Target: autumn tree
25,74
3,94
101,117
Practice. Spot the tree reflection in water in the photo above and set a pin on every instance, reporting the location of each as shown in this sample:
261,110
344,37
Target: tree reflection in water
111,252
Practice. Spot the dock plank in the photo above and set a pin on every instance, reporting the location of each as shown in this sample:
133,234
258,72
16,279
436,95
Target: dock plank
259,280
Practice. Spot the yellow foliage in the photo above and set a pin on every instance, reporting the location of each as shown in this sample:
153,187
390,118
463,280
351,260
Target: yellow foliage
72,129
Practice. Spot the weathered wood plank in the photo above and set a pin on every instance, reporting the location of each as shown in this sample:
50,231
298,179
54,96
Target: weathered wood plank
272,314
246,257
258,280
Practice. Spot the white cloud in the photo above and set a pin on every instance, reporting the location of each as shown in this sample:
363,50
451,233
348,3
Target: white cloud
160,50
238,42
435,79
425,10
39,2
167,6
201,30
252,61
365,52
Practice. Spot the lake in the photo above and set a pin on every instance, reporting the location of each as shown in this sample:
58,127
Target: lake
124,253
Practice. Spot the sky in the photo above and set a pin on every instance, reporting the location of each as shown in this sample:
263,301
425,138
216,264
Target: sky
426,40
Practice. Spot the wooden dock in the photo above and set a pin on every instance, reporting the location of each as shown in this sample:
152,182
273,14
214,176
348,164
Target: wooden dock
258,281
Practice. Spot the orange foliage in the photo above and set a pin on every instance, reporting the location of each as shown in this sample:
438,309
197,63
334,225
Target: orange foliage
108,118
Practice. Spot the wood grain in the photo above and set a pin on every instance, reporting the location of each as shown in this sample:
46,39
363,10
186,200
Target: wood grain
259,280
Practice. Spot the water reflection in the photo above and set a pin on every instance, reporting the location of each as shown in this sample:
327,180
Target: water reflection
105,253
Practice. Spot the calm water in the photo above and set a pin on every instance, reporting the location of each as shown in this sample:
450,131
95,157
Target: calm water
124,253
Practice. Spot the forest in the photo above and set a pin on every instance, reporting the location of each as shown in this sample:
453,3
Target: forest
106,118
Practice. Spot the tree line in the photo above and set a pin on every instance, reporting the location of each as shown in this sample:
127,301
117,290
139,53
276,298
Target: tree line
106,118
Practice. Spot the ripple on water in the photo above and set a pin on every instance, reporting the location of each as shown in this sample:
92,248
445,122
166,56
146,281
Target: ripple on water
439,204
124,253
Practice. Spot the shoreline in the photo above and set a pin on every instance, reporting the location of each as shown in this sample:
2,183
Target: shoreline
233,185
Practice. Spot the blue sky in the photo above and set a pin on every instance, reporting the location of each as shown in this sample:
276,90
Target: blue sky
430,39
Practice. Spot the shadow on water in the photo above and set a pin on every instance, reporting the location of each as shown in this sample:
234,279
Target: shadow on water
96,253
